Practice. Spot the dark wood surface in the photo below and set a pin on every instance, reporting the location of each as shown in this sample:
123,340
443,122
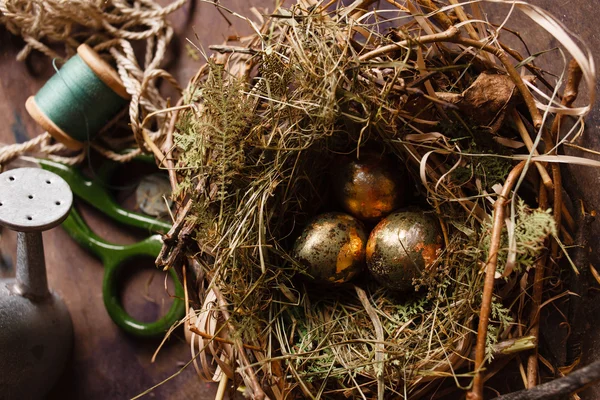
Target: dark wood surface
106,363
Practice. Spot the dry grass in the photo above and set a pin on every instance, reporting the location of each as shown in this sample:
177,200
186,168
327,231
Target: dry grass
265,122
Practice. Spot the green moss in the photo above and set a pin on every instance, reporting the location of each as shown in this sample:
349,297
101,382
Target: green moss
532,227
211,143
483,154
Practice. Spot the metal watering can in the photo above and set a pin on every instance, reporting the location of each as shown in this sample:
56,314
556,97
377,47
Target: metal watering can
36,332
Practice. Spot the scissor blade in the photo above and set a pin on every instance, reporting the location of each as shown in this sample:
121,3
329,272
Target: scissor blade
96,195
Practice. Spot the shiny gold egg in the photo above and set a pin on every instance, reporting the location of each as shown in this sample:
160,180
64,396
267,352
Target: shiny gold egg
369,188
402,246
332,247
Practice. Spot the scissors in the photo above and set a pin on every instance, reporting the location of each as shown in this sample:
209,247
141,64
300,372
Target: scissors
115,256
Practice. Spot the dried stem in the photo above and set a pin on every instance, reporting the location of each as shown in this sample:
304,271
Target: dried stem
538,288
510,347
440,17
547,181
556,389
557,203
434,38
490,271
574,76
380,350
398,6
462,16
168,147
220,339
569,97
222,387
257,390
535,71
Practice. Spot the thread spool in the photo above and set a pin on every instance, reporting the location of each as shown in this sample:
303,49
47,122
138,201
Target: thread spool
79,100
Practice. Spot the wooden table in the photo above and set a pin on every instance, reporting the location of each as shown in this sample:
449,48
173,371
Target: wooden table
106,363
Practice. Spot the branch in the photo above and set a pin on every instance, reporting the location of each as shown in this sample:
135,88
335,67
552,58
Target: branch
509,347
569,96
220,339
436,37
439,16
538,289
529,144
556,389
488,286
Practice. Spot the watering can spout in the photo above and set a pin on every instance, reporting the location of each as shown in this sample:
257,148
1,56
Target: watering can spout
31,280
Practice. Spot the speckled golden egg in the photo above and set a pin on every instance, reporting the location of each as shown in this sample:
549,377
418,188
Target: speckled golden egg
402,246
369,188
332,247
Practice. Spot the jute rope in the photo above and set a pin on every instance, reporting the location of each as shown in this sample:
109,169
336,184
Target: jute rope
108,26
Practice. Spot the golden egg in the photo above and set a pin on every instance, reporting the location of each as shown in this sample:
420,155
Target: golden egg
332,247
402,246
369,188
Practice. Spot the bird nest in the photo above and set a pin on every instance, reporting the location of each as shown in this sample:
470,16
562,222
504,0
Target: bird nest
430,85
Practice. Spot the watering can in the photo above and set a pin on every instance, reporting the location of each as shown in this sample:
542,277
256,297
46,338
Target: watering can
36,332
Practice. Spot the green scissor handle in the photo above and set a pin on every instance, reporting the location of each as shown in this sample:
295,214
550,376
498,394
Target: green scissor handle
97,196
114,256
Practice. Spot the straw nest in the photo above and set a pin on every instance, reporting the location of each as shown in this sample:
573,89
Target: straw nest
249,150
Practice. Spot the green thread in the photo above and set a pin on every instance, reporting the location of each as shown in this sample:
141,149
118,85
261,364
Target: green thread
77,101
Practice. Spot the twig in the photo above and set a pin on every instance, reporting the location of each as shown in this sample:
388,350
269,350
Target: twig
569,96
222,386
538,288
462,16
233,49
557,205
398,5
529,144
488,287
436,37
220,339
440,17
160,157
534,70
572,383
379,347
179,233
168,148
510,347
